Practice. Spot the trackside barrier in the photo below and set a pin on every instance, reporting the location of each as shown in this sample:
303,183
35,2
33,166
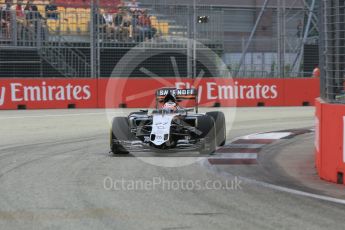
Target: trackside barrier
330,141
47,93
58,93
139,92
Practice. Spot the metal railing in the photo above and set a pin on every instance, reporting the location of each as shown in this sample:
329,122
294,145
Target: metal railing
33,31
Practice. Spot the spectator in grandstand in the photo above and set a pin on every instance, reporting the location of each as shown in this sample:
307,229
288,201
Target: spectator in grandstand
20,10
7,6
145,26
135,16
316,72
127,25
31,11
120,4
133,5
20,16
5,17
34,21
108,17
118,17
51,10
101,23
109,27
118,24
135,21
122,25
117,20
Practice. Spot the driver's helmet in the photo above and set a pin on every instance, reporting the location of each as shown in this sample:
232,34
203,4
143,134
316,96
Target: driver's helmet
170,105
170,102
170,97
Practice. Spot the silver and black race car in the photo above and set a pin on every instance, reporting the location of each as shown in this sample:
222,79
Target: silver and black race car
169,128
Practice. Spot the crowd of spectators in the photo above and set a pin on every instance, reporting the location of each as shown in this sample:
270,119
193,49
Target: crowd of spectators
26,16
126,21
51,10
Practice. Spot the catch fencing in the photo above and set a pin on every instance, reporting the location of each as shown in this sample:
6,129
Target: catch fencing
270,39
332,46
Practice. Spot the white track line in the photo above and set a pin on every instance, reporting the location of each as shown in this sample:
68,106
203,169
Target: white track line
52,115
294,191
213,168
207,164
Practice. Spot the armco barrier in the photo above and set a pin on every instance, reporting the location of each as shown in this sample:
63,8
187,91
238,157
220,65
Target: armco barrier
330,141
50,93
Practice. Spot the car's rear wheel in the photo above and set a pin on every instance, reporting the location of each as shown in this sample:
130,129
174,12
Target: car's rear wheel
207,129
120,132
219,119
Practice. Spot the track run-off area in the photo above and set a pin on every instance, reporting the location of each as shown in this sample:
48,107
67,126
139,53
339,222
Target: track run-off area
56,173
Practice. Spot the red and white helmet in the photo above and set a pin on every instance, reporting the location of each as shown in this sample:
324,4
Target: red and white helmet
170,106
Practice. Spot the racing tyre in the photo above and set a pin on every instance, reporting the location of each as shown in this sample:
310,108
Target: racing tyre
206,126
120,131
219,119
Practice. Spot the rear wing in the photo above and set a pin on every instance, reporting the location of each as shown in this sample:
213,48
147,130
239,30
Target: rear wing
180,95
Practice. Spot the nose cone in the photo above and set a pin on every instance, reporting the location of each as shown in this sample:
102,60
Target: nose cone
160,129
158,139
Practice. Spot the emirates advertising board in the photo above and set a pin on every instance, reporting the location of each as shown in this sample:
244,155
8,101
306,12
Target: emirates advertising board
140,92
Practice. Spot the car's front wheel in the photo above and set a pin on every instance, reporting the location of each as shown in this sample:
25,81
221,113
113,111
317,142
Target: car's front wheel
219,119
120,132
207,131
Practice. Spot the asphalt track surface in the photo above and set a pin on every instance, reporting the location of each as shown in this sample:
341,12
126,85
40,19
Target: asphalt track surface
53,165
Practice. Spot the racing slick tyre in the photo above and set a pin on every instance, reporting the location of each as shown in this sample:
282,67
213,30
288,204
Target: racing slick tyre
120,131
219,119
206,126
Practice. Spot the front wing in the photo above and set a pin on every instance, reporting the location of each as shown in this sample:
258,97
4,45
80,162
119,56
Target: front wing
182,146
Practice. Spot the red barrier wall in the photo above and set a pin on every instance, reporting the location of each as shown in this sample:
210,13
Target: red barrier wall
136,92
303,89
329,141
45,93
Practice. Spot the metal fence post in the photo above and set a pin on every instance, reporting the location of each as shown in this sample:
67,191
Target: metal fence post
14,28
322,47
94,39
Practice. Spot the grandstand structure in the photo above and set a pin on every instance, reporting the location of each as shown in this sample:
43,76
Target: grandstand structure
262,39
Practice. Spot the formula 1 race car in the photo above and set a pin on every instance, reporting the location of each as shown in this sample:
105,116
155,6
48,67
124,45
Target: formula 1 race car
169,127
